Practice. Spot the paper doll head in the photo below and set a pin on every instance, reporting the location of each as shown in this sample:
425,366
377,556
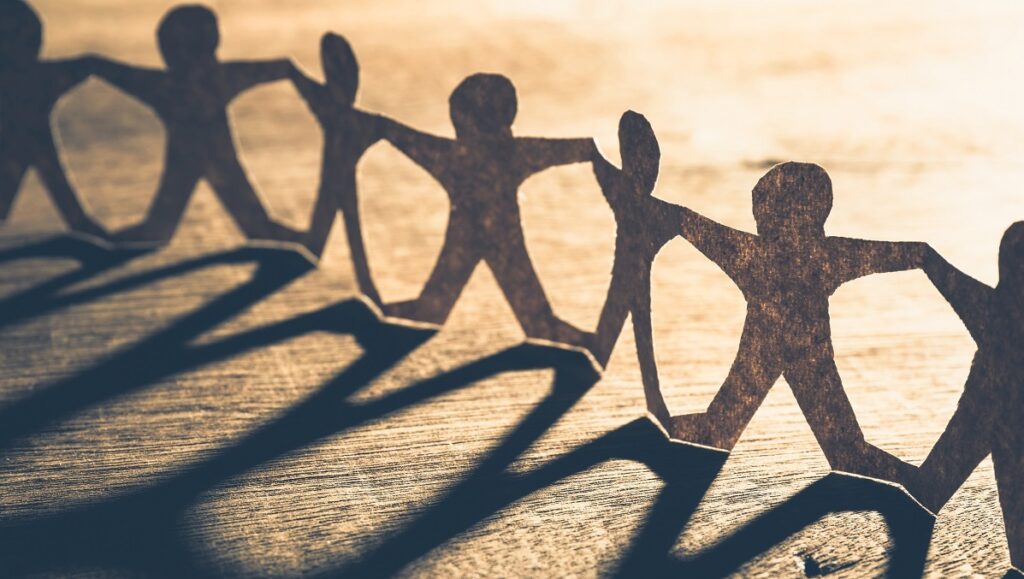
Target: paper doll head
483,104
792,200
21,32
341,69
1011,258
638,147
188,35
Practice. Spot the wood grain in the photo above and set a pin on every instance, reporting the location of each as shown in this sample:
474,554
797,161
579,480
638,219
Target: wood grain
909,107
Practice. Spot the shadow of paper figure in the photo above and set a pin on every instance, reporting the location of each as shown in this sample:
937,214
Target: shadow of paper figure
482,170
910,529
644,224
990,415
786,274
348,133
191,98
29,91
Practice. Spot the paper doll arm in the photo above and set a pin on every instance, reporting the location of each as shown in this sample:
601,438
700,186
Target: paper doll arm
71,72
969,297
854,258
142,83
535,155
243,75
608,177
431,152
729,248
310,90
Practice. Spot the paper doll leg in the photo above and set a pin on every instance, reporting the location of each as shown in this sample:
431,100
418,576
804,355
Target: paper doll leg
177,183
514,272
357,248
325,211
819,392
753,373
613,317
644,334
965,442
12,173
52,174
235,192
450,275
1008,456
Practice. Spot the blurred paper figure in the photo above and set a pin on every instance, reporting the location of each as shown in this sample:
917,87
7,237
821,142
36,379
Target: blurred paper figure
29,90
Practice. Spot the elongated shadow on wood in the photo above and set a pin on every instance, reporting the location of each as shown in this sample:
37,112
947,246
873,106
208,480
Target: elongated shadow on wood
142,531
93,260
45,298
491,487
910,527
156,356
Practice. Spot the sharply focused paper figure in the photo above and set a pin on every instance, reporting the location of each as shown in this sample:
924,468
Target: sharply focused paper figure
643,225
191,99
29,90
990,415
787,273
482,169
348,133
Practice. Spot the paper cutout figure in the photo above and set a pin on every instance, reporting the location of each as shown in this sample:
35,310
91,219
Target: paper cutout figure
787,273
29,91
644,224
482,169
990,415
348,133
191,99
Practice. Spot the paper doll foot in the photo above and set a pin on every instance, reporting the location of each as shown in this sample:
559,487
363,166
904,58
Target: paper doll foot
406,314
919,487
139,237
692,428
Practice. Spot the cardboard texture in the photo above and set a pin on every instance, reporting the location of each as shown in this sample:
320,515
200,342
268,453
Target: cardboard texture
348,133
29,90
191,98
481,169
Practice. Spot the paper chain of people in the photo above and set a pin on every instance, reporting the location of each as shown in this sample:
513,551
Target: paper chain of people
786,272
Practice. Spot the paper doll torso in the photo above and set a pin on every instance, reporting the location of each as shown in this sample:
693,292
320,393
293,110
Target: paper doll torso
483,186
787,289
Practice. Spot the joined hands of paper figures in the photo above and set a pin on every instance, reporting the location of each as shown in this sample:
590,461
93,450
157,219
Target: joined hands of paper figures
786,272
29,90
989,418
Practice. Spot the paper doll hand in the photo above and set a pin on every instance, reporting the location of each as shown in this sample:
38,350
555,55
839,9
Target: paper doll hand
430,152
723,245
969,298
145,84
535,155
243,75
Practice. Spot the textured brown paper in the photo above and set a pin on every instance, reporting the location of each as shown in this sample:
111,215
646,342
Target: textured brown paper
989,418
786,274
191,98
644,224
29,90
481,170
348,133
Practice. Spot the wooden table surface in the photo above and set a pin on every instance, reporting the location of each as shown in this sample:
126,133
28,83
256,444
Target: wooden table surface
211,409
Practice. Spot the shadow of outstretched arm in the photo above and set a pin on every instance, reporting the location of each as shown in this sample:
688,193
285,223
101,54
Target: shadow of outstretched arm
910,527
